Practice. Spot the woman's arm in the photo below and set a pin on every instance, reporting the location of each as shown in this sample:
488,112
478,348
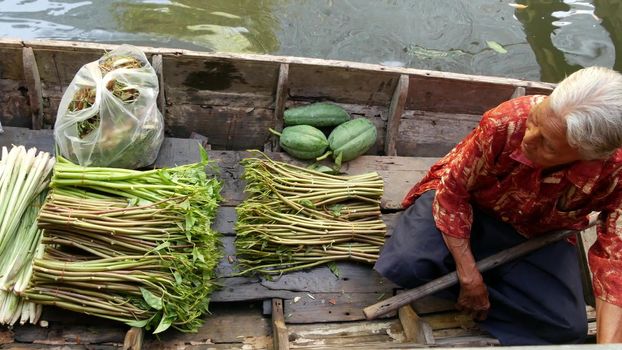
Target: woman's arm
609,322
605,258
473,298
473,160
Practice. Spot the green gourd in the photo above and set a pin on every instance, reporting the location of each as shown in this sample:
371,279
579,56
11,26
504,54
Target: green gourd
319,114
352,139
302,141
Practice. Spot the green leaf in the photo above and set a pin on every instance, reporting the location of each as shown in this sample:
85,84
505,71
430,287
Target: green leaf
204,155
307,203
196,255
334,269
205,304
139,323
165,323
178,278
142,202
336,209
185,204
321,168
496,46
151,299
162,246
190,221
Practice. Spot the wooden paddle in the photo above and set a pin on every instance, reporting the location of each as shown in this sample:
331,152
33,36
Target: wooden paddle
397,301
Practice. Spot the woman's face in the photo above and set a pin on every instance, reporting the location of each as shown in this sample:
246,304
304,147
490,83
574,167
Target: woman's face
545,141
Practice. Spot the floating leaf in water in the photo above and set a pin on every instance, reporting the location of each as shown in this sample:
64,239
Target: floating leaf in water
426,53
518,6
225,14
496,46
221,38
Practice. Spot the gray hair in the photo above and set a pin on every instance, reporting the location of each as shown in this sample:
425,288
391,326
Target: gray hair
591,102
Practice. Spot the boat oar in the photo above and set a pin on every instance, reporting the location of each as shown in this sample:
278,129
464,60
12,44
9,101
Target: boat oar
397,301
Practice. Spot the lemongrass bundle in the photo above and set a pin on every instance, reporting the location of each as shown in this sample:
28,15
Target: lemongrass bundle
24,175
295,218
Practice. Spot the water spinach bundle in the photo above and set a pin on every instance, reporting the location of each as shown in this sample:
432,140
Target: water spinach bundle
133,246
23,180
295,218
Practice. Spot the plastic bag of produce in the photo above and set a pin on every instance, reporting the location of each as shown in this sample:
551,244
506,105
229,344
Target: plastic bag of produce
108,115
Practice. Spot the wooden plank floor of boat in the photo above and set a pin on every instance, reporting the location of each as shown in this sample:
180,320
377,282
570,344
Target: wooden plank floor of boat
312,309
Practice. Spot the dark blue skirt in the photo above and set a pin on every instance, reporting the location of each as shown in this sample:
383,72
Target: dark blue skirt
536,299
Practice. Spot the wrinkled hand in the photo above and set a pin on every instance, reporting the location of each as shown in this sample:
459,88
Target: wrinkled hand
473,299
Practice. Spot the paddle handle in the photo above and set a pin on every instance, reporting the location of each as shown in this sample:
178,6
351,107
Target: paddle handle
399,300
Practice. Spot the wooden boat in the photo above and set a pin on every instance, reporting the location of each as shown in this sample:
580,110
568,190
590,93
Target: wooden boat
227,102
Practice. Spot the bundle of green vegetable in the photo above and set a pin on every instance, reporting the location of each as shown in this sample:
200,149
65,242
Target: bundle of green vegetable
295,218
131,246
23,178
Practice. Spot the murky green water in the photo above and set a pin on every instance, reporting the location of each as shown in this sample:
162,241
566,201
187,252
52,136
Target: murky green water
545,40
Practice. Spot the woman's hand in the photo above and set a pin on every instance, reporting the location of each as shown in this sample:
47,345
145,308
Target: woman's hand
473,298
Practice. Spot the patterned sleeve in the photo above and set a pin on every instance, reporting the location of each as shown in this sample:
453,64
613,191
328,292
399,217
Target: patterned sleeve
470,160
605,256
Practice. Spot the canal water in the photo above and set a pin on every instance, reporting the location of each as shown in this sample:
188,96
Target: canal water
526,39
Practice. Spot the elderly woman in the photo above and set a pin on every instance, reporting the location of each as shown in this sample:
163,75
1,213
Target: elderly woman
534,164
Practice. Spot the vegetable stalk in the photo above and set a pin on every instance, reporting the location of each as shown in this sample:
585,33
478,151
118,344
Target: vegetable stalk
296,218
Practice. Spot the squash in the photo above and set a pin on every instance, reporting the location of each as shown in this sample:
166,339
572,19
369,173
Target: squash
352,139
302,141
319,115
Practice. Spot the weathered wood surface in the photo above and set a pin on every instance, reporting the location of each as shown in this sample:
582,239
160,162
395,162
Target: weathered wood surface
470,96
279,108
230,326
280,338
158,67
6,336
134,339
33,82
396,109
234,99
95,50
70,333
379,334
328,307
432,134
14,106
343,334
416,330
230,323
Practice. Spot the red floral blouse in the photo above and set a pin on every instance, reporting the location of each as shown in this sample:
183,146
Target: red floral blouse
489,169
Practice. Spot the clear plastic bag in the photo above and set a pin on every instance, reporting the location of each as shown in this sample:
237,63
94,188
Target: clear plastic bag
108,115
